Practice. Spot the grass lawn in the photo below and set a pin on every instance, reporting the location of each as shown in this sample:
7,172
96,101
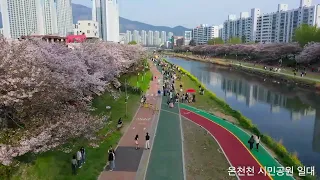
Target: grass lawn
205,101
56,165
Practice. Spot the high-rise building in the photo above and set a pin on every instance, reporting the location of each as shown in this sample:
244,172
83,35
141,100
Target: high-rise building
136,36
106,13
169,37
50,17
187,37
272,27
156,38
143,37
150,38
128,37
204,32
64,17
163,37
21,18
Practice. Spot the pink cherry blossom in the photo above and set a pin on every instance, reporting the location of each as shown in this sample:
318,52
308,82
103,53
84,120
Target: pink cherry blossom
48,87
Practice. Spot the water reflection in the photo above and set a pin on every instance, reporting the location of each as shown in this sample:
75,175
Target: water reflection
284,112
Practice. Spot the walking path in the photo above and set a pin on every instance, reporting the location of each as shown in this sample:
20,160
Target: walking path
232,141
128,159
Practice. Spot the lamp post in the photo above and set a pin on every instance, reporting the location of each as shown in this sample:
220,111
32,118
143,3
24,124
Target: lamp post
126,98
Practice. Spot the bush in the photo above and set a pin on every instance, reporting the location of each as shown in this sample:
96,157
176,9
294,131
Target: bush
288,159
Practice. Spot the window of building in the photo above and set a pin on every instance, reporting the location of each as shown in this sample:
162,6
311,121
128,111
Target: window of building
88,31
89,24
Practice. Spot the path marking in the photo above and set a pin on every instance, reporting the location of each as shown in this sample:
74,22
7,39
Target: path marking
241,130
144,129
182,143
133,127
237,139
216,141
143,119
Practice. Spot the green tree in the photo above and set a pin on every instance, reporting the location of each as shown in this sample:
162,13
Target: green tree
243,39
192,43
306,33
235,40
215,41
132,43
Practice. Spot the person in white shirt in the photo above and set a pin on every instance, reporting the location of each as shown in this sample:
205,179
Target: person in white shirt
79,158
257,141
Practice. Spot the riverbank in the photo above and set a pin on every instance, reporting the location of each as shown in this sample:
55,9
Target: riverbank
212,104
56,164
311,81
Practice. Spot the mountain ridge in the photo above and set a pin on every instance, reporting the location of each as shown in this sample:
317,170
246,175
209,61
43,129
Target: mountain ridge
80,12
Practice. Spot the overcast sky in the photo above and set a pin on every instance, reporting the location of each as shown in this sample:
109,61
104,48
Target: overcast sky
191,13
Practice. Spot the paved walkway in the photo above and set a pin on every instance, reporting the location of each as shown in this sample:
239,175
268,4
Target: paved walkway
130,162
166,161
234,141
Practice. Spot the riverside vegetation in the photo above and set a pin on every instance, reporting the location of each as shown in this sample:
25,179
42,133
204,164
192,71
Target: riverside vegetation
221,108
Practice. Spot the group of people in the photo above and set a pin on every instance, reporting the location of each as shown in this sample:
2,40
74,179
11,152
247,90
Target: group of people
254,139
147,143
78,160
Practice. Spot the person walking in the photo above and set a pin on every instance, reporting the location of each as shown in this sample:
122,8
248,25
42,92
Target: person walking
251,141
147,141
79,158
111,159
83,155
136,141
257,140
74,165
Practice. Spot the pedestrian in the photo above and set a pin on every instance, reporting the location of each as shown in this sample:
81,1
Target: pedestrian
111,159
251,141
74,165
83,155
147,141
136,141
257,140
79,157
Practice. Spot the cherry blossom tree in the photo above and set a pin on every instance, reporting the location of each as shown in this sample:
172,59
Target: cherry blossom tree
48,88
311,53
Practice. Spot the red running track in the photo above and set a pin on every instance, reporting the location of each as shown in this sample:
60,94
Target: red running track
238,155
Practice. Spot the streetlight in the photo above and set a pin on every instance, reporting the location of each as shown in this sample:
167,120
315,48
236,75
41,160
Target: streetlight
126,98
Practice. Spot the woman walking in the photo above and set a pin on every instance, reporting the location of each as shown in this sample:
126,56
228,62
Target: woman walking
251,141
136,141
111,159
257,140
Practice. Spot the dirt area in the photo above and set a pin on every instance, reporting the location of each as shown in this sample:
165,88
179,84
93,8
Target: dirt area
203,160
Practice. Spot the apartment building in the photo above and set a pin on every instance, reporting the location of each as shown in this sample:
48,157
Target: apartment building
150,38
106,13
136,36
88,28
64,17
187,37
169,37
143,37
163,37
204,32
272,27
156,38
128,37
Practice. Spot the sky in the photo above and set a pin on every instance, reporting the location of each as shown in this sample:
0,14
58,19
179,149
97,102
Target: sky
191,13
